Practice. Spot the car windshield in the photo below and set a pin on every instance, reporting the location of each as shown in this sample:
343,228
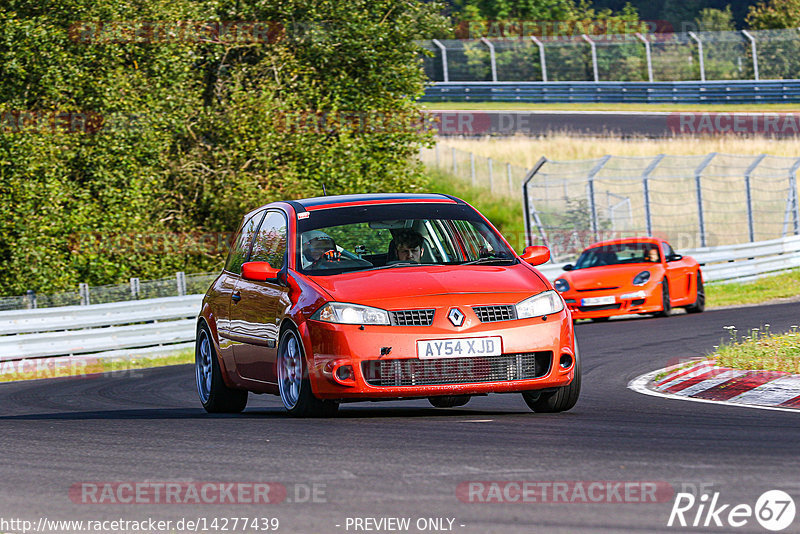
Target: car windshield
374,237
617,254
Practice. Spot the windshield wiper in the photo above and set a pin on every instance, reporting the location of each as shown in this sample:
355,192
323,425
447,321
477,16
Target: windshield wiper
489,260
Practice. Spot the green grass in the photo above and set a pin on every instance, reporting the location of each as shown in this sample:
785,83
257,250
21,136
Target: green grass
567,106
46,368
779,286
760,349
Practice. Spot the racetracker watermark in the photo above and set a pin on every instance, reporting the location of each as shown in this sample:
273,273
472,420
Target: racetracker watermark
708,123
565,491
176,31
524,29
210,244
195,492
72,122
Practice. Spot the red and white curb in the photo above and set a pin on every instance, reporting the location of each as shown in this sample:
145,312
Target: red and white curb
705,381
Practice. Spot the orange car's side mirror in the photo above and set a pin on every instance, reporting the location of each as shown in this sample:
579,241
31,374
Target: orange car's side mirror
260,271
536,254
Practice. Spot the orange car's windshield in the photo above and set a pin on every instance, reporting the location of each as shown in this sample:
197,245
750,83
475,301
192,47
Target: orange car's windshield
380,237
618,254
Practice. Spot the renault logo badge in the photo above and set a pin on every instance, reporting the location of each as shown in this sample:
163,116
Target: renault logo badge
456,316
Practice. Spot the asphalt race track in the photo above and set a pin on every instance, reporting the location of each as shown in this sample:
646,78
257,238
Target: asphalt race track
406,459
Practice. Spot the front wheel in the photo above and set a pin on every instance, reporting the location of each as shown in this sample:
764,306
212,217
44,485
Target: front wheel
560,400
666,305
293,383
214,395
700,298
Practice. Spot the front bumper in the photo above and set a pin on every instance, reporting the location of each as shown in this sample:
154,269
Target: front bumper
626,300
384,364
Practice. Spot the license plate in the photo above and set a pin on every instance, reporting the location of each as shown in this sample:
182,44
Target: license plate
597,301
460,348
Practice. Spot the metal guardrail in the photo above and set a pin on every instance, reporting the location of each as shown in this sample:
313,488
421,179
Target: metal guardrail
731,263
96,328
691,92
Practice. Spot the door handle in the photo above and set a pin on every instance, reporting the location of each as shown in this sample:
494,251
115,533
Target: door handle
236,297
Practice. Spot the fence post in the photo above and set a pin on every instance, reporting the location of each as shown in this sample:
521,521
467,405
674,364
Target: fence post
445,77
472,167
31,297
648,217
135,288
700,53
83,289
541,57
699,187
753,51
647,54
594,56
491,178
180,279
455,165
530,210
592,203
492,58
748,191
436,154
508,175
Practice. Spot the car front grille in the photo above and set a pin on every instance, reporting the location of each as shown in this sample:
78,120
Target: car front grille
597,289
414,372
492,314
411,317
601,307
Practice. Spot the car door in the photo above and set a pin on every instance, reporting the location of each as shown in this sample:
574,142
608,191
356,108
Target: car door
226,285
257,307
679,276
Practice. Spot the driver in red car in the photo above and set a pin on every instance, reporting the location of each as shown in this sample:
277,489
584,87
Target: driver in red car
318,247
409,246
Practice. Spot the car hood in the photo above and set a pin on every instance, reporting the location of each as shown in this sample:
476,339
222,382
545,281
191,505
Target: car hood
413,286
607,276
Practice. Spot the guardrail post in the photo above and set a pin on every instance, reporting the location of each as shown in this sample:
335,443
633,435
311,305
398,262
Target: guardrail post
542,60
445,77
30,296
530,210
180,278
646,188
699,187
492,58
753,52
700,53
83,289
135,288
491,178
748,191
472,168
594,56
592,203
647,54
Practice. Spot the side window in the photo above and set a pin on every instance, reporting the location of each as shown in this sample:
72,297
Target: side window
667,251
241,245
270,243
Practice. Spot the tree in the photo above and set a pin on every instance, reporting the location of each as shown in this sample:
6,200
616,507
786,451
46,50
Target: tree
774,14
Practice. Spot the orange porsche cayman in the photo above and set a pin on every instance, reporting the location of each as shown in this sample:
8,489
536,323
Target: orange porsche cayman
626,276
375,297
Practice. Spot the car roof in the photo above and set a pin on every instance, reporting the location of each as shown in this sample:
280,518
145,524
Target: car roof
624,240
371,198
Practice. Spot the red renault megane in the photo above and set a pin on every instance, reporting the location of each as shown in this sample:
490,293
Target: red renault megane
386,296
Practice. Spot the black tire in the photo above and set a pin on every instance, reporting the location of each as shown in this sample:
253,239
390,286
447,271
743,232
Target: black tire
214,395
700,299
449,401
666,305
561,400
293,384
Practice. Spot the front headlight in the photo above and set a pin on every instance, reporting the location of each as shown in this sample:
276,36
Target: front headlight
641,278
561,285
344,313
545,303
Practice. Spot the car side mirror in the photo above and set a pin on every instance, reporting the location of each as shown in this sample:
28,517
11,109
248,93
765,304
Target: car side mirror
536,255
674,257
259,271
568,267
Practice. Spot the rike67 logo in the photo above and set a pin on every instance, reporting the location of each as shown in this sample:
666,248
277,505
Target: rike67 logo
774,510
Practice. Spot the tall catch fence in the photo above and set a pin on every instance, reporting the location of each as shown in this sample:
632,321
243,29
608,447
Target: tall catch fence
726,55
692,201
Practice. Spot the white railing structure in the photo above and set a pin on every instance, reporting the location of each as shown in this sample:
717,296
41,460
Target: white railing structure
73,330
730,263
